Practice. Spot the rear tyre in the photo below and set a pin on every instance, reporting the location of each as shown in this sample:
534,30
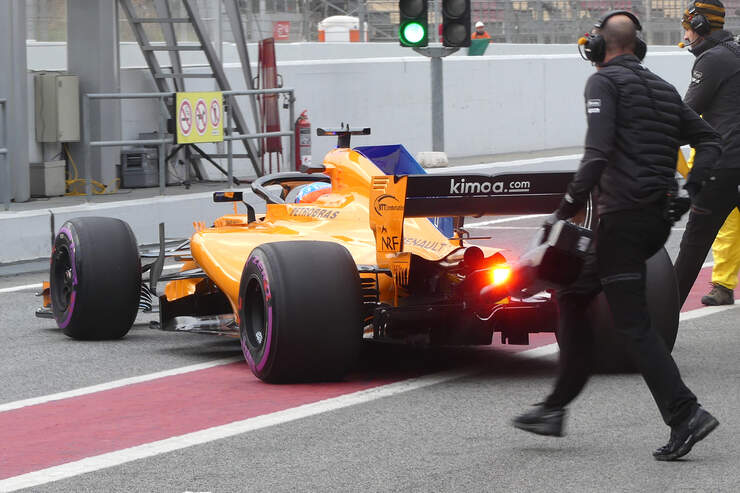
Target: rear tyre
300,311
95,278
610,349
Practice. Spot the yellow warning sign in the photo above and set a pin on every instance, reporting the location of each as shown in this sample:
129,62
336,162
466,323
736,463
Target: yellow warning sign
199,117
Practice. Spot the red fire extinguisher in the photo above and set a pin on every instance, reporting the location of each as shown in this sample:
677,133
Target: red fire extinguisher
302,141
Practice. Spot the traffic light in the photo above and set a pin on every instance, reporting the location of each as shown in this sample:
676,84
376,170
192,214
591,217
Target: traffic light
413,27
456,23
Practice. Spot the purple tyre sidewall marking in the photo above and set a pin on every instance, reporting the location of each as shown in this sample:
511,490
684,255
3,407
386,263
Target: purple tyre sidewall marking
258,366
70,308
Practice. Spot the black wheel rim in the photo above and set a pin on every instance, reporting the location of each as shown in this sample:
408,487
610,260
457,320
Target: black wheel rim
254,313
62,279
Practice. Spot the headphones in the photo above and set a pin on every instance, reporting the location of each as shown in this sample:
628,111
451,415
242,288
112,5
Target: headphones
697,21
593,46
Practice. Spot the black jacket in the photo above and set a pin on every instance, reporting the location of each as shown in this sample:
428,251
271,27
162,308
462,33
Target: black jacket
714,91
636,123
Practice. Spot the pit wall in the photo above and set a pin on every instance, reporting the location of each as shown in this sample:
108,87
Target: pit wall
521,98
492,104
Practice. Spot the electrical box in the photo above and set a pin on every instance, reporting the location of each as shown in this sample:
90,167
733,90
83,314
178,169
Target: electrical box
57,107
140,167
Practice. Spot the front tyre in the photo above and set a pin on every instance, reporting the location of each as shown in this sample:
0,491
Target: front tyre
95,278
300,311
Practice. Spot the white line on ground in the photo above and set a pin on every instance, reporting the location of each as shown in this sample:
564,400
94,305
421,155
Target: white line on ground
28,287
529,227
25,287
115,384
152,449
502,220
504,164
707,310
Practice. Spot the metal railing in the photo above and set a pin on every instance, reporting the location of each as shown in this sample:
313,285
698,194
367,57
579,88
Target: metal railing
6,190
161,143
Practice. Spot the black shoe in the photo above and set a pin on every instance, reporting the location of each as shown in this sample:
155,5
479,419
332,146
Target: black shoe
683,437
542,421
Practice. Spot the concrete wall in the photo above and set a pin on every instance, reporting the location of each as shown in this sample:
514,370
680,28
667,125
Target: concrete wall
493,104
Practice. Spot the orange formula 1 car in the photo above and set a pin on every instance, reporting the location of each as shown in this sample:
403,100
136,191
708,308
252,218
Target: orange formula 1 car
303,284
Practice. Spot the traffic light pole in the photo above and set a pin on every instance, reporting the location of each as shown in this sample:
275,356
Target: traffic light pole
436,53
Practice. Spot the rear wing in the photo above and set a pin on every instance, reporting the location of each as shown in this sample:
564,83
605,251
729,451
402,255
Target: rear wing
393,198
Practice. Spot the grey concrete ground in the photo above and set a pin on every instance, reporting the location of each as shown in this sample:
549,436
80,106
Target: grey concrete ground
449,437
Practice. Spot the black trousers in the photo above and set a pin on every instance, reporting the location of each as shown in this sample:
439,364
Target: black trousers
712,206
624,242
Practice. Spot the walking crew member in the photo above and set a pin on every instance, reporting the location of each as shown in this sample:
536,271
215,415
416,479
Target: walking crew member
726,254
714,93
636,123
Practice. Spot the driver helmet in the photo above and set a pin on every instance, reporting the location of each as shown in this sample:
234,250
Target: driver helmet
311,192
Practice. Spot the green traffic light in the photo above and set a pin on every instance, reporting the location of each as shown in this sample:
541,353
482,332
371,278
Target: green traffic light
413,33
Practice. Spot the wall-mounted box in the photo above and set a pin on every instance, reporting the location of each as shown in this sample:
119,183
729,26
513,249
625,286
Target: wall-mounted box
57,107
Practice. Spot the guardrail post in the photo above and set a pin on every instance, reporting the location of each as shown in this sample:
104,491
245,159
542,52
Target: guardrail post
230,143
162,149
4,154
86,144
291,124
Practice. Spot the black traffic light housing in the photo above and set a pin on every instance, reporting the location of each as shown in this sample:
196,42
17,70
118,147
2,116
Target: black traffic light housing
456,23
413,28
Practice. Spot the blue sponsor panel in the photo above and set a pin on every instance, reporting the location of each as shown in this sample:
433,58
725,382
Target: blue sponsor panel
396,160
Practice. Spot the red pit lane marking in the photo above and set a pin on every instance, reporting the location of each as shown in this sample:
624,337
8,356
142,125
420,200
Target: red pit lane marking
65,438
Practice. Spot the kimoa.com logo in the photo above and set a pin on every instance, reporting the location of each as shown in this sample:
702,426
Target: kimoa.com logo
462,187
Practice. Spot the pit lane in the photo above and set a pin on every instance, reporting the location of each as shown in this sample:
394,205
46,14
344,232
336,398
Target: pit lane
451,435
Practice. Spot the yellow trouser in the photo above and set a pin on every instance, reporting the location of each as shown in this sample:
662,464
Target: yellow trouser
726,246
726,252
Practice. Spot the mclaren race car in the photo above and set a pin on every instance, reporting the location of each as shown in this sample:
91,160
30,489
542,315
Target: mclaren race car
374,250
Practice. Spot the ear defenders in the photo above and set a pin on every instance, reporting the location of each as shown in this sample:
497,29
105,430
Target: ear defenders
593,46
697,21
703,17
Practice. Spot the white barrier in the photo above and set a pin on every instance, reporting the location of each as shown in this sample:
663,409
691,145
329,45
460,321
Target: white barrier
493,104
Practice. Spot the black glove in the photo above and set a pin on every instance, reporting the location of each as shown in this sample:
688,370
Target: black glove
677,204
693,189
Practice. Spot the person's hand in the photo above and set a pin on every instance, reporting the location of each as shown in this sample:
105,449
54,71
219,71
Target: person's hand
678,203
693,189
548,223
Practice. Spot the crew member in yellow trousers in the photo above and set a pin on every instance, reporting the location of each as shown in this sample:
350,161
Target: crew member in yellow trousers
726,253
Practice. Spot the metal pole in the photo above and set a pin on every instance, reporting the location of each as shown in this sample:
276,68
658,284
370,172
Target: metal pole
229,143
291,124
6,162
438,112
435,21
361,16
647,31
86,144
436,53
161,153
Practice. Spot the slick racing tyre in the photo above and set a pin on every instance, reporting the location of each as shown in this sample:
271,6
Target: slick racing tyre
95,278
300,311
610,351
